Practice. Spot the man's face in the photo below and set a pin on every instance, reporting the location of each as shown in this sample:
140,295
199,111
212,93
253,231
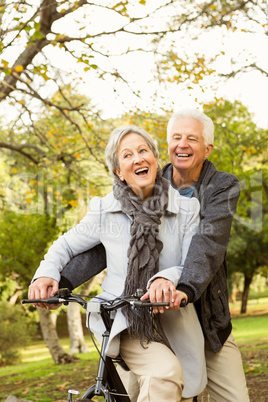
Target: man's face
187,148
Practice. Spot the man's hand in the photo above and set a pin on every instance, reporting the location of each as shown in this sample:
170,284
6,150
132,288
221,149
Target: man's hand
43,288
163,290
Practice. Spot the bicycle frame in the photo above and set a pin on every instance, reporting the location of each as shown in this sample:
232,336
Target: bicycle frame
108,383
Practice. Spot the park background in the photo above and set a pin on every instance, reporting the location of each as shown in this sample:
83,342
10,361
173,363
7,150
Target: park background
70,72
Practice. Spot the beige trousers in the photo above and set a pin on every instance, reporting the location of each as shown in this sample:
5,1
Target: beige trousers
156,368
226,377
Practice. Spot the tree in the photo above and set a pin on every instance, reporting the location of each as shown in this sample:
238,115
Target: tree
43,28
51,338
92,37
34,36
59,155
23,242
23,239
43,187
241,149
75,328
16,331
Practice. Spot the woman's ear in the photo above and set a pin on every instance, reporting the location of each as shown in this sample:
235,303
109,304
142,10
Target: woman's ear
118,173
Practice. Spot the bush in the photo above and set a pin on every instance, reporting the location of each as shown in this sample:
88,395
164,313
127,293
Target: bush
16,332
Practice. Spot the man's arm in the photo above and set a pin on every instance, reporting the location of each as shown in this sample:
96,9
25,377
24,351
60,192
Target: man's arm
79,270
209,245
83,267
162,286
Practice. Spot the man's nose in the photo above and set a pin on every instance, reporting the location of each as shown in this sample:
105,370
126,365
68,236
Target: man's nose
182,142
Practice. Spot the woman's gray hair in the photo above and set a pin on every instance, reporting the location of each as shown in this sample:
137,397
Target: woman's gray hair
207,123
117,135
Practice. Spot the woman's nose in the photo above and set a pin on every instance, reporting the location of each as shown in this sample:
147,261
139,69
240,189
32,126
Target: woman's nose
138,158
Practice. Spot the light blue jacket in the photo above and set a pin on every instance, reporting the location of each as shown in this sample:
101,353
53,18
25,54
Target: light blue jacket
106,223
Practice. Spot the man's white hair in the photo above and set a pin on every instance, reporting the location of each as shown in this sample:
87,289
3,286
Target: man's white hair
207,123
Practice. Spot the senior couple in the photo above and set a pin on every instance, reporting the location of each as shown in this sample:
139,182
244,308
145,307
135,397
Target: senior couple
176,226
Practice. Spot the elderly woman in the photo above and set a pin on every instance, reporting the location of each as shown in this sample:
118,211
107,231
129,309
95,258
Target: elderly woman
146,228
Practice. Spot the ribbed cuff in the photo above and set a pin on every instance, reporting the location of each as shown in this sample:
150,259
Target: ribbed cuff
65,283
186,289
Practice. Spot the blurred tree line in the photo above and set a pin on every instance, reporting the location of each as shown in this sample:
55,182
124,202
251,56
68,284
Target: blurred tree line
42,199
52,150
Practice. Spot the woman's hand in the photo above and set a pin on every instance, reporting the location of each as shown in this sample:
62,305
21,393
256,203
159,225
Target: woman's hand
163,290
43,288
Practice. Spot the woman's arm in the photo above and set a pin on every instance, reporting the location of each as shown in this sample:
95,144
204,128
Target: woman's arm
80,238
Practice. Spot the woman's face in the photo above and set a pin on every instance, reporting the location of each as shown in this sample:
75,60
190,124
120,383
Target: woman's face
138,165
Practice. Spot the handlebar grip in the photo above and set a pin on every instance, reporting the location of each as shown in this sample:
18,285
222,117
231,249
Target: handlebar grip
139,303
24,301
51,300
183,303
149,304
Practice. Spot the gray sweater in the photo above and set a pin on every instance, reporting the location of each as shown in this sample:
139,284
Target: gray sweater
204,276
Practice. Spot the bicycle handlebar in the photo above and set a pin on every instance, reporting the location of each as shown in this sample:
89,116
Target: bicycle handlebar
65,296
50,300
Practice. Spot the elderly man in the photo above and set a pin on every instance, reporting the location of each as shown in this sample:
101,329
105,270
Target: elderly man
190,136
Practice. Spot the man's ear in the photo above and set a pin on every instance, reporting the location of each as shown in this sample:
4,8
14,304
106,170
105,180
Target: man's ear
208,150
118,173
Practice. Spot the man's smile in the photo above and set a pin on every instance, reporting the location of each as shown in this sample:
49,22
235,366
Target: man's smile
182,155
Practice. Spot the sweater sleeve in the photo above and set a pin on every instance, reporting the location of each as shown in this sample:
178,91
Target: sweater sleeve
82,237
83,267
208,246
191,208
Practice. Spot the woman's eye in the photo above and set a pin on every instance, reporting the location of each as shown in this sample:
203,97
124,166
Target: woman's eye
126,156
143,150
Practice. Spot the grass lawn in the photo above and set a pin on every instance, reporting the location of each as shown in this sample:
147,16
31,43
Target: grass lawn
36,378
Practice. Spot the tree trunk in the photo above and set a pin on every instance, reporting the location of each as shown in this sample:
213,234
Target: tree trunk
51,339
77,340
13,299
247,282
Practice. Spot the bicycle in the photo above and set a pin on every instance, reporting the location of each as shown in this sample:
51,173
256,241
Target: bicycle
108,383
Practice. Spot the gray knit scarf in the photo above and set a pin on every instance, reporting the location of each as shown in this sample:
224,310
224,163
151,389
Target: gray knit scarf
143,253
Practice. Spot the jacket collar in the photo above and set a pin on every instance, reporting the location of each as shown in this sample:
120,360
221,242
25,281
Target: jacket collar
208,170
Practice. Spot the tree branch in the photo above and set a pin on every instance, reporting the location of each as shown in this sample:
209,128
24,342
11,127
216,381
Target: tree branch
20,150
252,66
